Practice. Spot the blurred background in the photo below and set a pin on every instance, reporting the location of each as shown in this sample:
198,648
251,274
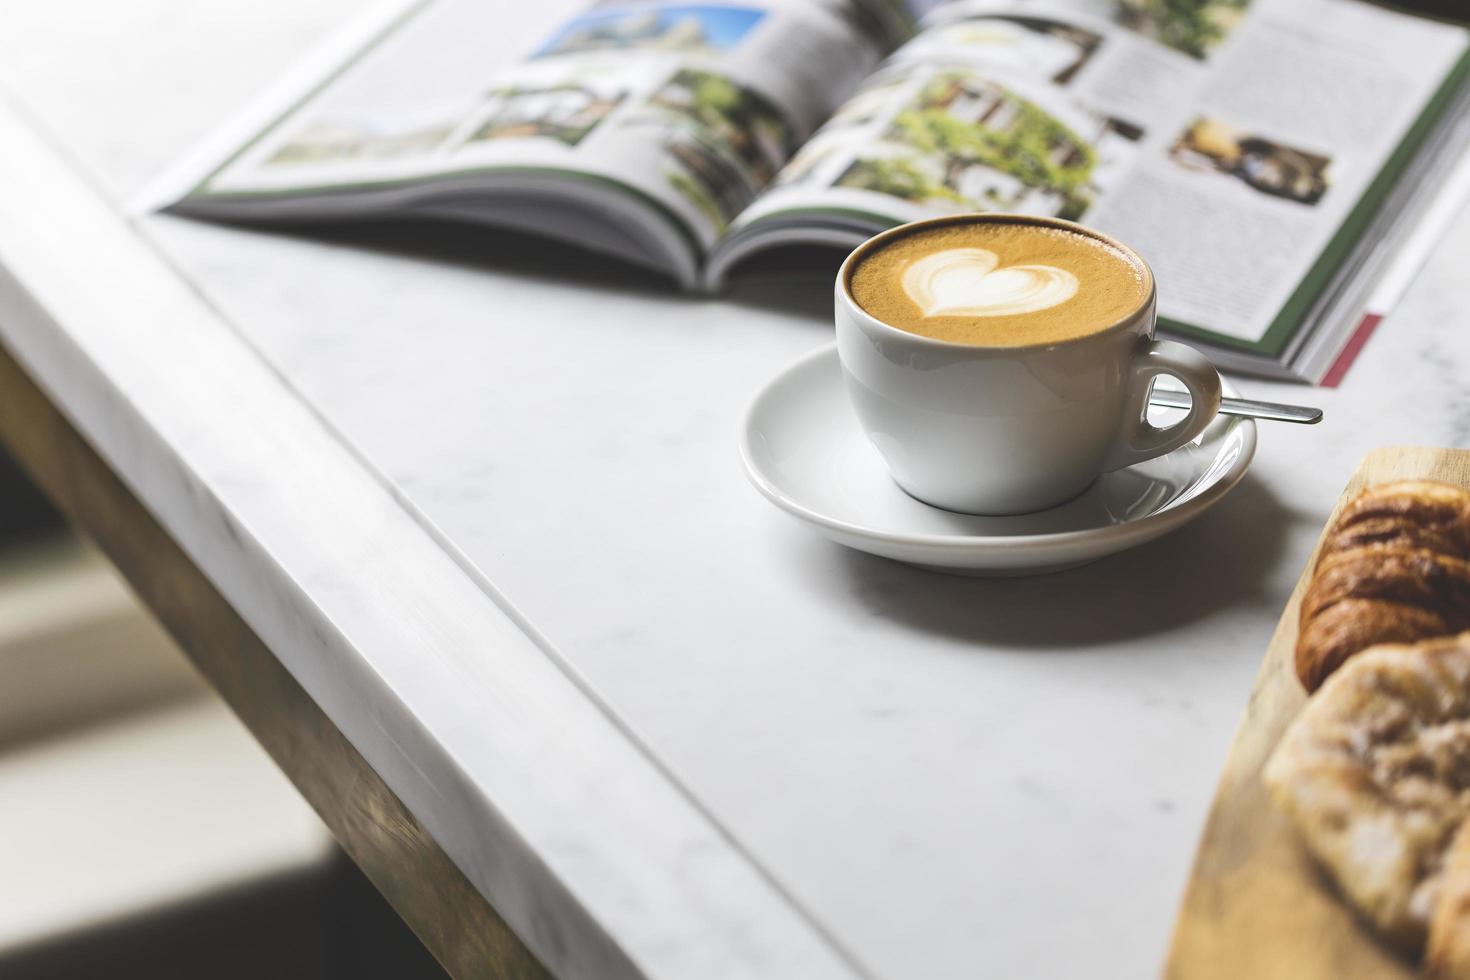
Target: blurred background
143,833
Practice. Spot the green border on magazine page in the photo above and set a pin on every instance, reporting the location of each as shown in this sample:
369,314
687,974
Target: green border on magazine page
1348,234
1414,9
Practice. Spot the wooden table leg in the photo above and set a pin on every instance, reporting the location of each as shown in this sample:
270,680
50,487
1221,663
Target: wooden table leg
450,917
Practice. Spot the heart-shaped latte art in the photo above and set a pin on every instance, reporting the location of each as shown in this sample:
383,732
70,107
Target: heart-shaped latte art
971,282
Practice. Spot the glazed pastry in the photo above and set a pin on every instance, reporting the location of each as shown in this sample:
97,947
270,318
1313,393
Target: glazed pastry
1375,773
1371,595
1392,569
1345,628
1407,514
1414,577
1448,956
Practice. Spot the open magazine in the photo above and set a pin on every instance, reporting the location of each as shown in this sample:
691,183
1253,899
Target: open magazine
1265,156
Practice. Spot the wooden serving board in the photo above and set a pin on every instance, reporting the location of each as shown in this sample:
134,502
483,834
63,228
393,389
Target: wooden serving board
1256,906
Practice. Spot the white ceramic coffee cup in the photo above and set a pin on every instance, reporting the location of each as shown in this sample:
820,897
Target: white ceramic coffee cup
1007,430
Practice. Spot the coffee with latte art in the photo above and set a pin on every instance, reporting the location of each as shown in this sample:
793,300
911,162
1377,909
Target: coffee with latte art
998,283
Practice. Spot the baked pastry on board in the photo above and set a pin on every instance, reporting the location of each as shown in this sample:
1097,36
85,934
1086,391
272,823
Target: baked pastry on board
1393,568
1375,773
1375,770
1258,903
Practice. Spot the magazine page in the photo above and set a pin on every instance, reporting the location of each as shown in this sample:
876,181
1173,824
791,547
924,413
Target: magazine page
1234,143
893,152
1249,199
686,108
993,106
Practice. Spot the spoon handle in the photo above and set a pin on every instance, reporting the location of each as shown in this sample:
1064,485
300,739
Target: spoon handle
1275,411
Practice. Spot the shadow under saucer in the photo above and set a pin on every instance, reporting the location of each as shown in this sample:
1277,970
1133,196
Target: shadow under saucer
1218,562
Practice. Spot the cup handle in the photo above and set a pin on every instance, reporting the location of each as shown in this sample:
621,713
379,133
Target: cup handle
1137,440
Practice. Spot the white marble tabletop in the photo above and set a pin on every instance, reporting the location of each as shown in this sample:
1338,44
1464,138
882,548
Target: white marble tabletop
482,497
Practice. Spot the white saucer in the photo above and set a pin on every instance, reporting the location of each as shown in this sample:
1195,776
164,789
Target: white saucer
804,451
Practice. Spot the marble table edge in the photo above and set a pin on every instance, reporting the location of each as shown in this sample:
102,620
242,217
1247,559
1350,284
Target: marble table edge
499,750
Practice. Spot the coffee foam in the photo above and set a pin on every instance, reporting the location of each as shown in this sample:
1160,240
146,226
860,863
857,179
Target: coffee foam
971,282
998,283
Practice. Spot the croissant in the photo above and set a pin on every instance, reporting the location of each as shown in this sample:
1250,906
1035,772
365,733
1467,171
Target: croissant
1394,568
1408,514
1375,774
